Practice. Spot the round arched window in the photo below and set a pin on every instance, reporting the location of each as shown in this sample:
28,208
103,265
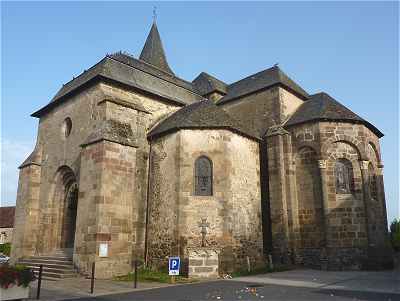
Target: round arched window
67,127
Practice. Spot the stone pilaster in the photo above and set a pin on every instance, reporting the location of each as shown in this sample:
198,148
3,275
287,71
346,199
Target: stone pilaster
26,225
106,201
322,164
366,197
381,195
291,194
278,193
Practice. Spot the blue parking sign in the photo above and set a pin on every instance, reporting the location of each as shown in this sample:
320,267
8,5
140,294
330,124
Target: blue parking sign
174,265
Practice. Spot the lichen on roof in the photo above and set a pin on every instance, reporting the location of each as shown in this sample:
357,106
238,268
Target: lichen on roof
205,84
323,107
201,115
262,80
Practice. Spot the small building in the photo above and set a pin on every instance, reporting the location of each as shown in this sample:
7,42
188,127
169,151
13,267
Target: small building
6,224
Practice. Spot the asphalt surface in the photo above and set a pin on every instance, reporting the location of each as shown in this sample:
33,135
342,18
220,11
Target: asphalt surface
234,290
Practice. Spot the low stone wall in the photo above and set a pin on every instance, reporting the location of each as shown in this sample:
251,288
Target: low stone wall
203,262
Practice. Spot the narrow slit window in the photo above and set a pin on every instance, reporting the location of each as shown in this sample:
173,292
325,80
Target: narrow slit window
344,176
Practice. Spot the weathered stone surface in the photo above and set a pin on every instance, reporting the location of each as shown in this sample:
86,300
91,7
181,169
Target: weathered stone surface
234,209
203,262
94,178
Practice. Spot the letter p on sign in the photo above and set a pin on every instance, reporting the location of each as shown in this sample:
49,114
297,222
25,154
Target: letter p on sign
174,265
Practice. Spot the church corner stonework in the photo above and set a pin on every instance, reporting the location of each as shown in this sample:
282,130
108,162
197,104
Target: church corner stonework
131,158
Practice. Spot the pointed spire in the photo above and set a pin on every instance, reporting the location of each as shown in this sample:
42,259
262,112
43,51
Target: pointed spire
153,51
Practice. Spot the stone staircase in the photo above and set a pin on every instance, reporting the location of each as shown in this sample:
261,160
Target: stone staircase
56,265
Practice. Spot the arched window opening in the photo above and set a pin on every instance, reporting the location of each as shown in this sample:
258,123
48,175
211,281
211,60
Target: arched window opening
66,127
372,182
203,176
344,176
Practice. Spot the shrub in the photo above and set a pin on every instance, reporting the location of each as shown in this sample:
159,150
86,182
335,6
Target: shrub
15,275
395,234
5,249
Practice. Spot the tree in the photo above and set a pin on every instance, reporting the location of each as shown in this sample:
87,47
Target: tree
395,234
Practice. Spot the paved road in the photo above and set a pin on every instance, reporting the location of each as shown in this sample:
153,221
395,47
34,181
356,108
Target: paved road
365,281
236,290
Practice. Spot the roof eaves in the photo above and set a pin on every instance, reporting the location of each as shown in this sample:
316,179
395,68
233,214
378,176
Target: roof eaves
370,126
155,75
156,135
96,79
279,84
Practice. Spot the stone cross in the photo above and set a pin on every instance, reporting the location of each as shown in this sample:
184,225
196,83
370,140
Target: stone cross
203,225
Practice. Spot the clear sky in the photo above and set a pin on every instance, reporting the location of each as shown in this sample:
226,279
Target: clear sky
348,49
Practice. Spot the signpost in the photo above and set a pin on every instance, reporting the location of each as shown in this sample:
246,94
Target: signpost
174,264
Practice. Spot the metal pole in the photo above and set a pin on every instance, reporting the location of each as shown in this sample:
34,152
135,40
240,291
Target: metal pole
92,279
39,282
135,280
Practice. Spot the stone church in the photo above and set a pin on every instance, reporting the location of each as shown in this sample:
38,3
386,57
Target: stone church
133,159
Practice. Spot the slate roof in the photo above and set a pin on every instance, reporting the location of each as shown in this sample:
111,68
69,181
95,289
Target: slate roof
201,115
262,80
153,51
33,159
205,84
7,215
126,70
322,107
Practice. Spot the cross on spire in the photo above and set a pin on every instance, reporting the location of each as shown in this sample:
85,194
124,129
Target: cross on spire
153,51
154,13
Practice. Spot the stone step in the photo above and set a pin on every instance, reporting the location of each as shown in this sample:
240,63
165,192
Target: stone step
57,276
50,278
68,270
56,266
46,265
59,258
46,261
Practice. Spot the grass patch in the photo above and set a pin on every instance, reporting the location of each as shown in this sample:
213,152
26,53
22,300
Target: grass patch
263,270
148,275
5,248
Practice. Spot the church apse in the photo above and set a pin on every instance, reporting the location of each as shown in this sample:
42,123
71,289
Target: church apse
151,156
229,200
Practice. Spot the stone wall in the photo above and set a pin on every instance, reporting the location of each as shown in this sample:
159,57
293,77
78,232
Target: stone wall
280,197
263,109
162,221
203,262
258,111
26,223
309,198
233,211
105,208
145,114
41,188
59,150
289,103
347,239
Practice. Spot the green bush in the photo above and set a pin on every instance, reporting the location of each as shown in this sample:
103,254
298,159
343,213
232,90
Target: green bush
395,234
5,249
